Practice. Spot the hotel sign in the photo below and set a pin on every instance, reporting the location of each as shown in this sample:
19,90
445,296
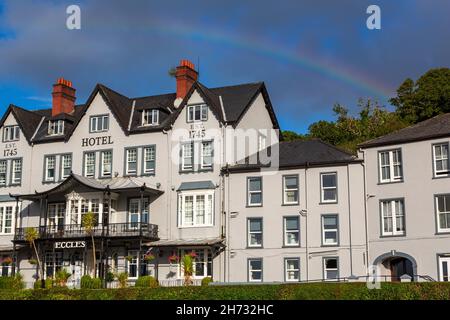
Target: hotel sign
70,244
97,141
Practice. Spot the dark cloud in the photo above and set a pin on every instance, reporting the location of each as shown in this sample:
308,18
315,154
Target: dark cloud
131,45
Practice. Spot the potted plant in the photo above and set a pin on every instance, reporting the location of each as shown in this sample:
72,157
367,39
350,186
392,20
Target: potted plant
149,257
173,258
187,263
7,261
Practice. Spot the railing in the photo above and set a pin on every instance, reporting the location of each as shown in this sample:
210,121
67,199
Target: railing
70,231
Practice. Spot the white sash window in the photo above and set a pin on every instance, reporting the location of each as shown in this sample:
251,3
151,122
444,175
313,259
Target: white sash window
196,209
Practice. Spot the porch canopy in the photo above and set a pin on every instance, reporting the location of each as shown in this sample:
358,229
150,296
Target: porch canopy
74,181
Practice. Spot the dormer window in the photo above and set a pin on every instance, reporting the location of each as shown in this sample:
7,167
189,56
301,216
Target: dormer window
197,113
11,133
55,127
150,117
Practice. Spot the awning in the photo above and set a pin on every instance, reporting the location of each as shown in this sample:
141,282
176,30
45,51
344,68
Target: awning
112,184
186,243
196,185
6,198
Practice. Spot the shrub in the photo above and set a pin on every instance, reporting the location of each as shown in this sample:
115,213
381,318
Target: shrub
109,276
206,281
61,277
48,283
11,282
146,282
123,279
87,282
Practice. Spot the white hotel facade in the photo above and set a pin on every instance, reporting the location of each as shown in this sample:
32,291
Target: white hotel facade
162,175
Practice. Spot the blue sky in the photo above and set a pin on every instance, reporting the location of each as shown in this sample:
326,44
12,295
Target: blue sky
311,54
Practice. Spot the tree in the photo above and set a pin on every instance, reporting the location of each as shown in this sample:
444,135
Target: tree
292,136
31,235
89,222
426,98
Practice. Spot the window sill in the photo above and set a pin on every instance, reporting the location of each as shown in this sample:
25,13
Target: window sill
290,204
199,226
393,235
390,182
330,245
444,233
441,177
254,205
328,202
291,246
259,247
48,181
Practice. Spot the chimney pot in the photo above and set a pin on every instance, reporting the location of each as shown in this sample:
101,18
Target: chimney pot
63,97
185,76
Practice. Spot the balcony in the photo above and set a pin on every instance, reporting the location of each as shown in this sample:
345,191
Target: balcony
112,230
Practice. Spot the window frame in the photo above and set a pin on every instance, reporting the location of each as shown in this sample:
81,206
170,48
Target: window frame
127,172
12,177
439,229
392,177
202,107
61,166
206,254
102,163
5,161
152,172
85,153
15,129
55,127
441,259
324,268
249,204
285,189
210,166
286,270
249,278
249,245
150,114
322,188
181,208
46,178
324,230
182,157
433,155
393,233
3,214
96,117
285,232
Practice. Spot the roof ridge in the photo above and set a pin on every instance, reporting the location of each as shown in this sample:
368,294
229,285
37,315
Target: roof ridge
102,86
239,85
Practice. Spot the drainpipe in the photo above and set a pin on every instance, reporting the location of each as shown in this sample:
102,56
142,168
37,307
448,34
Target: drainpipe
366,217
305,214
350,222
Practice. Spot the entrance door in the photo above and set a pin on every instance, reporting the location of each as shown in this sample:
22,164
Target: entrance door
444,269
76,268
399,267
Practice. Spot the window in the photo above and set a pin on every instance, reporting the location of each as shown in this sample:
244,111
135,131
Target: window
149,160
134,211
290,190
55,127
390,166
53,263
99,123
202,265
393,217
6,219
261,142
443,212
196,209
66,162
106,170
330,230
5,268
11,133
328,182
291,231
444,268
3,166
254,191
197,113
255,271
136,265
50,163
150,117
187,156
16,177
292,269
330,268
441,160
255,232
131,161
89,164
56,213
207,155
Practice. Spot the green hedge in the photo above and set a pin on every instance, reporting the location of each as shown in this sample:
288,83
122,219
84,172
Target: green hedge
87,282
314,291
146,282
14,283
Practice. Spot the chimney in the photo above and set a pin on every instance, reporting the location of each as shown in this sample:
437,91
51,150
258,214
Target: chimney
186,76
63,97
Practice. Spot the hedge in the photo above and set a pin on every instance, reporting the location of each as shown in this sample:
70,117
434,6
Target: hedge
310,291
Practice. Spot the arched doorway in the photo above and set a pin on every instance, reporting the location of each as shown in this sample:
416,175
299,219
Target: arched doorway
394,265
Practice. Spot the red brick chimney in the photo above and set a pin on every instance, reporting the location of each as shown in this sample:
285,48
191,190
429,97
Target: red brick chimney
186,76
63,97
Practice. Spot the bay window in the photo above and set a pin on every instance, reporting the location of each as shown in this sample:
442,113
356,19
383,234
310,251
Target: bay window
393,217
443,212
441,160
196,208
390,166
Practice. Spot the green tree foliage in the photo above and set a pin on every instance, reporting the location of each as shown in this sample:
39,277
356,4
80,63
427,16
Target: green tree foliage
292,136
426,98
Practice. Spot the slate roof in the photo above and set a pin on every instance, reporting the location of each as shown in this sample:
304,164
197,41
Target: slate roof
302,153
236,100
436,127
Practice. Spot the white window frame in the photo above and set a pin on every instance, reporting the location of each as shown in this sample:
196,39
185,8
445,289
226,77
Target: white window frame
47,160
203,113
393,217
64,158
150,117
53,221
322,188
288,270
4,172
145,210
445,213
185,167
335,230
127,161
441,173
286,231
55,127
16,175
249,233
94,123
326,270
152,158
206,166
250,270
4,208
208,218
444,277
76,217
106,174
392,165
85,163
206,255
250,192
11,133
286,190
